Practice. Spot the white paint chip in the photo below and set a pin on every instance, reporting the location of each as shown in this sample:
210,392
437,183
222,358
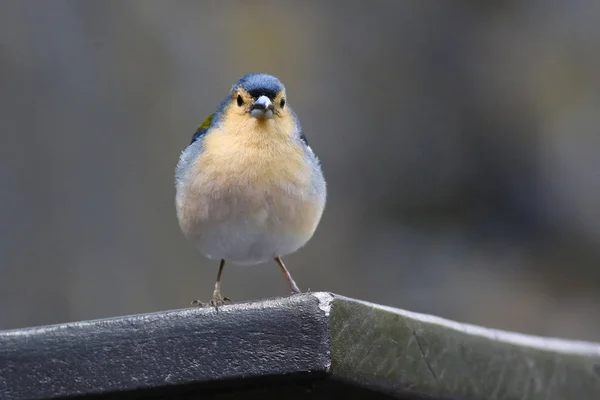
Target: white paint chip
325,300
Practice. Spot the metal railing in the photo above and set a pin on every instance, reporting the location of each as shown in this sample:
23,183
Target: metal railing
312,345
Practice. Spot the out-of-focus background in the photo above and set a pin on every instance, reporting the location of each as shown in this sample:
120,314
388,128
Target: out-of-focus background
460,141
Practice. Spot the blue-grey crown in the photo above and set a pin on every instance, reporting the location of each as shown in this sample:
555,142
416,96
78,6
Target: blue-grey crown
260,85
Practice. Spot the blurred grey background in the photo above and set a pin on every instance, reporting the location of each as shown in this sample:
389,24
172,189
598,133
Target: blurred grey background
460,141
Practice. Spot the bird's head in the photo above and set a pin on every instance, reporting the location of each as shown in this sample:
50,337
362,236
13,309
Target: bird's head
255,108
259,96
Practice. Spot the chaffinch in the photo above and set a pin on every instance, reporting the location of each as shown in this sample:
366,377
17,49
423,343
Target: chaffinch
249,188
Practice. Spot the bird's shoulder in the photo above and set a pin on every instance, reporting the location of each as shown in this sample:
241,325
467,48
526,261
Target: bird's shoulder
203,128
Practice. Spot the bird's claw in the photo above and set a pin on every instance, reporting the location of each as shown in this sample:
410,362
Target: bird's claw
197,303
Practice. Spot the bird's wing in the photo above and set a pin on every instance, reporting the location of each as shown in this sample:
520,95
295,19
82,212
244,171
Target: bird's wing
299,127
202,129
303,138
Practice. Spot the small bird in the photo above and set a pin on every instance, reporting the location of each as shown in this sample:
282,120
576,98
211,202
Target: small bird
249,188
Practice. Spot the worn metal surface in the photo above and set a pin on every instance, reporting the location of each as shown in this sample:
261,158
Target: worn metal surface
397,351
313,345
162,350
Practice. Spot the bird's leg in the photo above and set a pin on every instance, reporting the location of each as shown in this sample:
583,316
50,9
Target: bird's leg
217,298
289,278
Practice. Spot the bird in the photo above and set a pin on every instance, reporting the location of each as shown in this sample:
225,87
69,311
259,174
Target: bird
249,188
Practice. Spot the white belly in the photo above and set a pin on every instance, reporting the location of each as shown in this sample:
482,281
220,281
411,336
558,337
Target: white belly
246,241
249,227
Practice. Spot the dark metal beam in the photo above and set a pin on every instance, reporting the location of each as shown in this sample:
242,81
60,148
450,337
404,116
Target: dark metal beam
313,345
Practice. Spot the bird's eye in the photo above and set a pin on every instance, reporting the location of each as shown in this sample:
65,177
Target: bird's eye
282,103
240,101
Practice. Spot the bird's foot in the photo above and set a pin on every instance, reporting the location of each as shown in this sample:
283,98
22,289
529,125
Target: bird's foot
216,302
